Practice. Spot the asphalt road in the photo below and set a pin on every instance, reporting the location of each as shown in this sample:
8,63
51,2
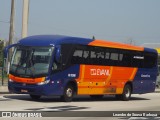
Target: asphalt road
145,102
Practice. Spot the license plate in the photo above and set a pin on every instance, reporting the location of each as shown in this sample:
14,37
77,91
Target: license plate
24,91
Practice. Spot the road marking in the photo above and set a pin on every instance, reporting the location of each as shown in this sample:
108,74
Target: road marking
4,99
58,108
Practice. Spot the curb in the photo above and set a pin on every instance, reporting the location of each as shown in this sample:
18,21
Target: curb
4,90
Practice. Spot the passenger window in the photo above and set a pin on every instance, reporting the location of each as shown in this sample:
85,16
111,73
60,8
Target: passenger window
114,56
120,57
107,55
86,54
100,55
78,53
93,54
77,56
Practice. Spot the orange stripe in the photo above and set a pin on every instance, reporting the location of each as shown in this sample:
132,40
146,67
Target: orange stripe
133,73
104,43
83,71
26,80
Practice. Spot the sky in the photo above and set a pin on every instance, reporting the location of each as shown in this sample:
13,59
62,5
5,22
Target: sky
126,21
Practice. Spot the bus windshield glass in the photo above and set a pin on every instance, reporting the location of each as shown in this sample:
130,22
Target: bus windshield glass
31,61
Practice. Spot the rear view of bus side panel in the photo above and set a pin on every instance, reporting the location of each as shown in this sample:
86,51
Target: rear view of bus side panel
145,79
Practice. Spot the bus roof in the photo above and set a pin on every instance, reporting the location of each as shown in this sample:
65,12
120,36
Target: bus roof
50,40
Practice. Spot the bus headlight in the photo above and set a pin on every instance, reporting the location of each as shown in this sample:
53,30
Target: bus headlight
44,82
10,80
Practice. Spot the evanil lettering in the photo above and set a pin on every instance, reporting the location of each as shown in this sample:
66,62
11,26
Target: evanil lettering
99,72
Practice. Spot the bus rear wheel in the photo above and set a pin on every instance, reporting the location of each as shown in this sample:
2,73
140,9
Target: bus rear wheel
126,95
68,94
35,97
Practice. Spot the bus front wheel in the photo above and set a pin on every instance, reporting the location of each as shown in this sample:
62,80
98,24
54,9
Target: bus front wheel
126,95
68,94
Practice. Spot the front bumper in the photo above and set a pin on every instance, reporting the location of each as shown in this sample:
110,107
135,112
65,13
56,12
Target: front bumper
34,89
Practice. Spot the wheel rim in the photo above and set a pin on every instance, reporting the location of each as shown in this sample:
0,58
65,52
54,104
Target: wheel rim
69,92
127,93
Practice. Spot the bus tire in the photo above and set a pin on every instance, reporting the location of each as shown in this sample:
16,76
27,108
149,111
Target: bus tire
126,95
96,97
68,94
35,97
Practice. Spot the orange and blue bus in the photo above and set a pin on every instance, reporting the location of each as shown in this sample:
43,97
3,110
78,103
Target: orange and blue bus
46,65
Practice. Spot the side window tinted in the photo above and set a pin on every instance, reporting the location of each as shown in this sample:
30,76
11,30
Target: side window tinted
120,57
78,53
93,54
150,60
107,55
100,55
137,59
85,54
77,57
114,56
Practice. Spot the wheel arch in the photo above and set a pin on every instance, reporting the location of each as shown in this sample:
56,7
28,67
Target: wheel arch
74,84
131,85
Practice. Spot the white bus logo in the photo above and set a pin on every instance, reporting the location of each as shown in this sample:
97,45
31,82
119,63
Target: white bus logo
99,72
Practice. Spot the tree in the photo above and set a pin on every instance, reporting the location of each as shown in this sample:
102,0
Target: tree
1,52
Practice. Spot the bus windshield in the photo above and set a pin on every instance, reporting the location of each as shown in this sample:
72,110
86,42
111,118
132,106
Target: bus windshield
31,61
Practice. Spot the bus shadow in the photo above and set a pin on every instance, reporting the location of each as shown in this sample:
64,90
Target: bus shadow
105,98
75,99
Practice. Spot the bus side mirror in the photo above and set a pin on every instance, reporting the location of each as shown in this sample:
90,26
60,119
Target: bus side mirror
6,50
58,54
6,64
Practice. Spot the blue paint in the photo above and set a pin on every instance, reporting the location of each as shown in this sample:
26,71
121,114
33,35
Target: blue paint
150,50
145,80
51,88
50,40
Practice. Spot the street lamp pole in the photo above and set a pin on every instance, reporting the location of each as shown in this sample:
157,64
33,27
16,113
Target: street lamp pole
25,18
11,32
